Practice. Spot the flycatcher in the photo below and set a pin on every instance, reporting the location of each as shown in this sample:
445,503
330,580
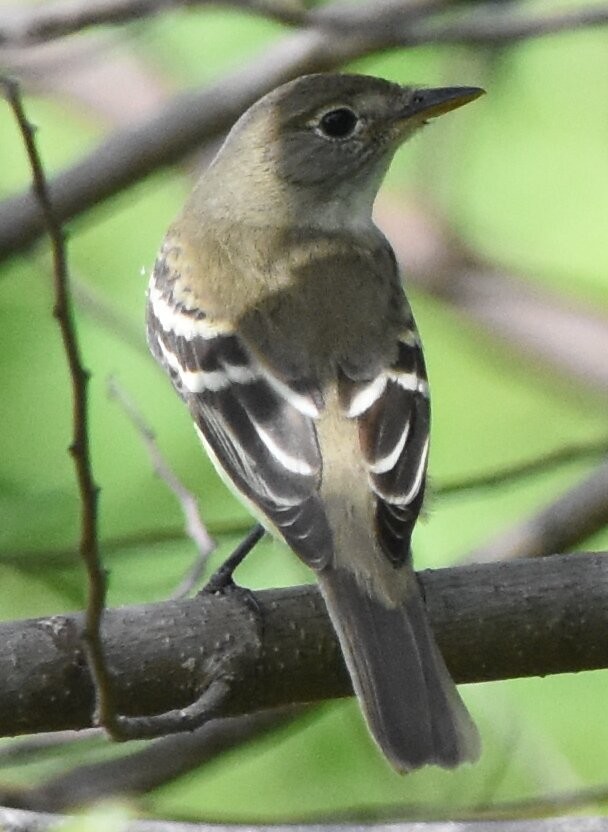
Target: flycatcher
277,310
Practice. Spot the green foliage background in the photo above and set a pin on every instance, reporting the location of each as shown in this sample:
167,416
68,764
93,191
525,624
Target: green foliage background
523,176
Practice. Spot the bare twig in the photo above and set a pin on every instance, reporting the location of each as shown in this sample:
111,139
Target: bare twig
26,559
565,522
200,116
510,474
490,26
25,26
195,528
79,449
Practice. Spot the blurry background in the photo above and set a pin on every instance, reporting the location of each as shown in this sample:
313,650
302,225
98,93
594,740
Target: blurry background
500,214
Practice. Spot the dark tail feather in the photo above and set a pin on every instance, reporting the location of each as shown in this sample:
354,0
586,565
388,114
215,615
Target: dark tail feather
411,704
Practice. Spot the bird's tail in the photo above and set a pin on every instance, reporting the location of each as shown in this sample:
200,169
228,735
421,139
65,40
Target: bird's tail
409,700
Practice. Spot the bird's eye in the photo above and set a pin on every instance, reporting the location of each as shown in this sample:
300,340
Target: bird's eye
338,124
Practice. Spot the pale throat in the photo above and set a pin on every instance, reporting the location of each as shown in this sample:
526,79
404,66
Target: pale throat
253,194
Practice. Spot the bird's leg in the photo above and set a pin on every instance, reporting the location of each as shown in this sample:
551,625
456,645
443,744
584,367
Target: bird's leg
222,578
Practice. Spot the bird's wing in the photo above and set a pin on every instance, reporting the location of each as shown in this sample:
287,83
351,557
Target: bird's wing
258,428
393,411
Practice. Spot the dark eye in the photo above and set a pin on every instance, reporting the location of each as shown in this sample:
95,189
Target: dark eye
338,124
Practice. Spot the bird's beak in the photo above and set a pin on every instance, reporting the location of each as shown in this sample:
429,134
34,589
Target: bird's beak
428,103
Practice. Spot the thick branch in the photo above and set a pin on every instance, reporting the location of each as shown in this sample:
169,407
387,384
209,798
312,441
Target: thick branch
23,26
192,118
149,766
493,621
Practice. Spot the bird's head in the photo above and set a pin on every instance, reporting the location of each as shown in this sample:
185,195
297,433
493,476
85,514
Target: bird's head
328,137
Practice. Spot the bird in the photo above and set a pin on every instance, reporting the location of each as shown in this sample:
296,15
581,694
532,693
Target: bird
278,311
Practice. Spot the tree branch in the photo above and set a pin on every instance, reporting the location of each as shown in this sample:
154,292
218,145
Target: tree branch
27,26
574,516
566,335
193,118
151,766
493,621
492,27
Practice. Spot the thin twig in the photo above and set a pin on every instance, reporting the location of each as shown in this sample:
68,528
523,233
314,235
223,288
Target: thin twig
194,526
510,474
196,117
80,446
25,559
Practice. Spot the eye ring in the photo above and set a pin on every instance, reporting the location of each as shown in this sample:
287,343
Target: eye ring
339,123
